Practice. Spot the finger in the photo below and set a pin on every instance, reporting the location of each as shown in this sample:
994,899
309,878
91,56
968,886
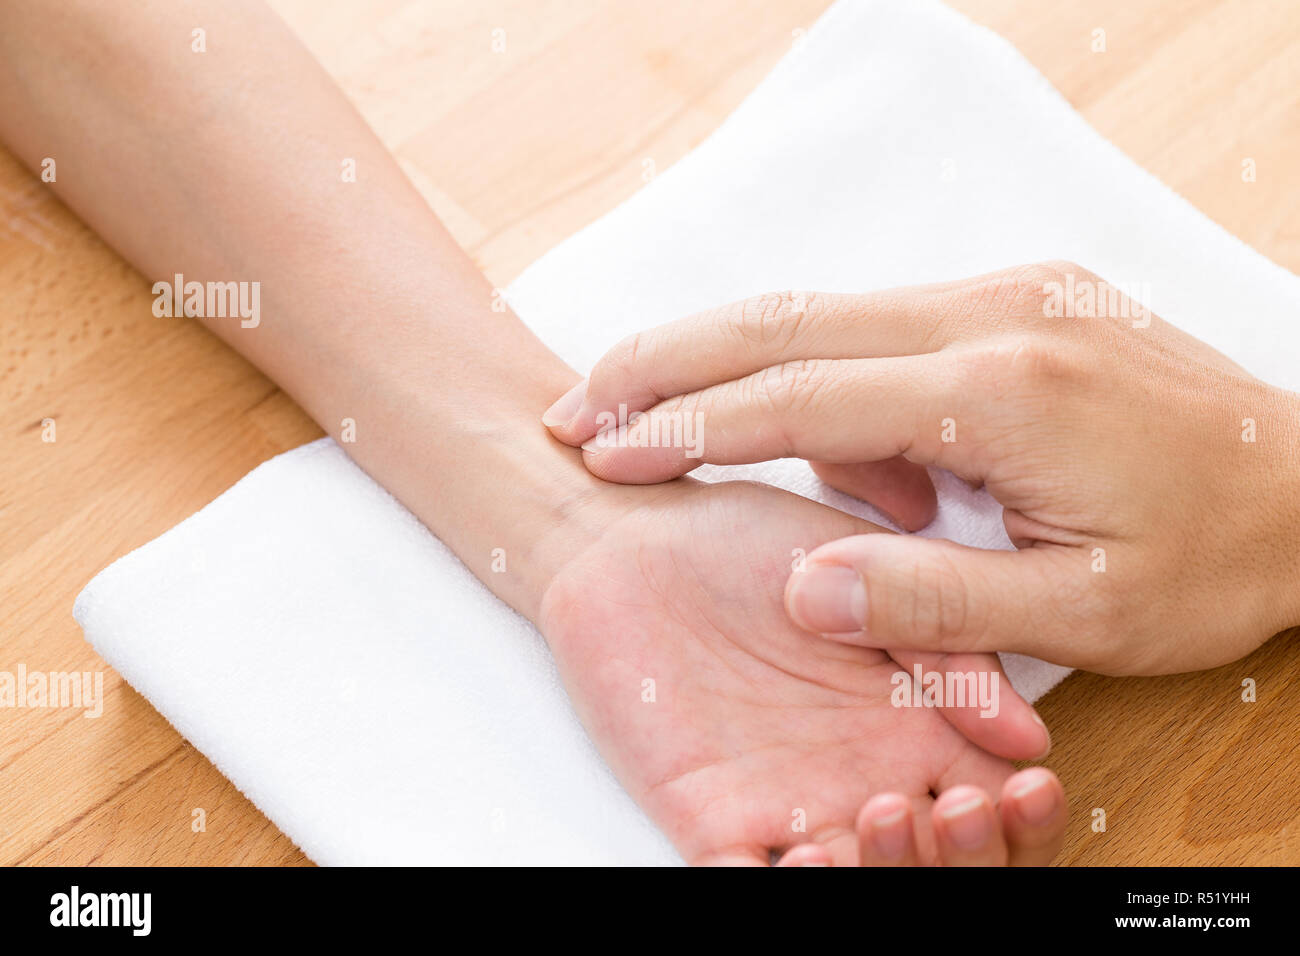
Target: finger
894,591
743,337
832,411
974,695
806,854
896,486
734,856
740,338
841,843
1034,812
967,829
886,835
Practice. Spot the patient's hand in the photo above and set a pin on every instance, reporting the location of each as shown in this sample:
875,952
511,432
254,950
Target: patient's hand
741,734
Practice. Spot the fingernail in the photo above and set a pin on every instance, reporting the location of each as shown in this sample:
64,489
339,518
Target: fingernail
967,823
1035,798
889,834
609,438
562,412
829,598
1047,736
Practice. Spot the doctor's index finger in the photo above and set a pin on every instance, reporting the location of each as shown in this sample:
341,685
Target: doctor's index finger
747,336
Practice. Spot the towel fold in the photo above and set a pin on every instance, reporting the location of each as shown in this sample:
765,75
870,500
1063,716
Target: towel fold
378,703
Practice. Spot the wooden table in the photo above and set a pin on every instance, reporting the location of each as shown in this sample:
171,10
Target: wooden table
516,150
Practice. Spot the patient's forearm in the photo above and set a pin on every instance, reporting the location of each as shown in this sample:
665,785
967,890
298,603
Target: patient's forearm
229,165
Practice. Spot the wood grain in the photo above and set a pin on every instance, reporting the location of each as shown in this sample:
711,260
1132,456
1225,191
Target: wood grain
515,150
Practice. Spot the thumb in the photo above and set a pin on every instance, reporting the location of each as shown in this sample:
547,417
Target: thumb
894,591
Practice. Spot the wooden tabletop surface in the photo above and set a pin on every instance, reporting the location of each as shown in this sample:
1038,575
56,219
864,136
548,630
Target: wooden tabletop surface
516,149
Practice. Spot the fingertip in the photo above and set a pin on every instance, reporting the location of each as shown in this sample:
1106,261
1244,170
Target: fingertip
914,503
757,856
852,638
1034,812
958,796
1013,732
827,599
990,713
611,456
885,831
920,510
562,417
882,807
1019,734
1034,795
967,830
901,489
806,854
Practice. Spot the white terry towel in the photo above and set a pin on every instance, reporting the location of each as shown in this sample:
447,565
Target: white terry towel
340,665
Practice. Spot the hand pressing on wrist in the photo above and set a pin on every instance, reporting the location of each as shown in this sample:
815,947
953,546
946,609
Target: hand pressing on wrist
1149,484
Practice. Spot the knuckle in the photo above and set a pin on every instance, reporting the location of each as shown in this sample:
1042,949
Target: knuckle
789,387
1013,292
1058,269
1020,292
1106,602
1024,365
620,361
1108,626
1083,618
934,604
774,320
1033,360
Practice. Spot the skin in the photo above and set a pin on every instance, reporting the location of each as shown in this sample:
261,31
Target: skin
1103,438
751,720
371,312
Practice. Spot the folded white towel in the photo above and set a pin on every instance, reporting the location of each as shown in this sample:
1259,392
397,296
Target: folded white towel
340,665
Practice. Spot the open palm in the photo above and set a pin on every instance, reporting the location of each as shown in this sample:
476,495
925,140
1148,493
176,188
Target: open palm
739,733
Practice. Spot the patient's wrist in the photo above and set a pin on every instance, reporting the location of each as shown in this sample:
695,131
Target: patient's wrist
561,511
485,476
447,398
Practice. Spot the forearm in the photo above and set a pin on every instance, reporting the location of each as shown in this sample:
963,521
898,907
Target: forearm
227,166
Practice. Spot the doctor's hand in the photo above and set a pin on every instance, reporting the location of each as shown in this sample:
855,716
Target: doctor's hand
1150,485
